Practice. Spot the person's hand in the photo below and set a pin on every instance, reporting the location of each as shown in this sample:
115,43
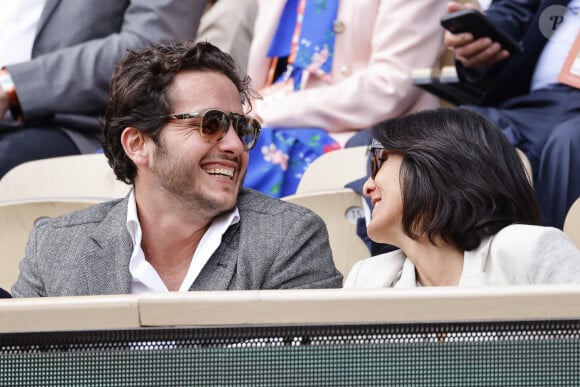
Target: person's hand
470,52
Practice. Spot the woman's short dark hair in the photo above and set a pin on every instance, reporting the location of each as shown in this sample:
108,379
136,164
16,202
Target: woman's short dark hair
461,179
138,93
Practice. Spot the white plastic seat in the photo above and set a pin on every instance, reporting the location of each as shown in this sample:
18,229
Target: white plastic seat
334,169
572,223
17,218
86,175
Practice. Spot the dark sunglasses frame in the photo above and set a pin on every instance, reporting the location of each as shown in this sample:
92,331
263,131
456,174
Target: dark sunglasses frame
375,158
247,128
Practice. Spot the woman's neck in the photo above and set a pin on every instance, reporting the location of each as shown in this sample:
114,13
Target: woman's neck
435,265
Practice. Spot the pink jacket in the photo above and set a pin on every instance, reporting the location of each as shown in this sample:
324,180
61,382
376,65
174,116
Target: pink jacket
381,42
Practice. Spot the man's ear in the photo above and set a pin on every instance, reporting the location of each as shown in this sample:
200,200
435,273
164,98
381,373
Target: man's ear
135,145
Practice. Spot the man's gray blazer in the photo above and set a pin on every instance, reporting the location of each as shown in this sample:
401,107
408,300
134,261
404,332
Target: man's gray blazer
275,245
77,45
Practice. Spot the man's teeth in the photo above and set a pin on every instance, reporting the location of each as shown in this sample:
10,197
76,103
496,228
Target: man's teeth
222,171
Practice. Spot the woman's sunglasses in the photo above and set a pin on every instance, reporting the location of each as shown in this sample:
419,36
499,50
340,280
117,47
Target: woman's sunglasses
214,124
375,157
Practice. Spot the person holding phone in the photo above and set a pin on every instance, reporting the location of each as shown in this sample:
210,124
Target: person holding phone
524,98
474,22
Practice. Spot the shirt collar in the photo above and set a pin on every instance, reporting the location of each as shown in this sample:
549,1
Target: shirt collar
144,277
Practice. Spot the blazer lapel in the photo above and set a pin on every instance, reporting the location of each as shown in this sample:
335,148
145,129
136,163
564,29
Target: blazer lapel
49,7
221,267
475,263
107,261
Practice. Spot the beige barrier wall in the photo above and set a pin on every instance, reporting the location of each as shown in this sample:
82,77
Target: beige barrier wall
336,306
69,313
517,336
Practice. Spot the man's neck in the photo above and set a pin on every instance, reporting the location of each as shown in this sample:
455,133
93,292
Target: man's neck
170,237
169,248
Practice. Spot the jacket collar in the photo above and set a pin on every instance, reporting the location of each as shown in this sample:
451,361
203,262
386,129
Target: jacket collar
474,265
49,7
107,260
219,270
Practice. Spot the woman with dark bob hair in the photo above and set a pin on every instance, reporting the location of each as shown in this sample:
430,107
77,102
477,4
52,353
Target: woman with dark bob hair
449,190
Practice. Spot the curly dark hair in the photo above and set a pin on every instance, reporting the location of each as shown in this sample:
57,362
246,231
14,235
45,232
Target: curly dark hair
138,93
460,177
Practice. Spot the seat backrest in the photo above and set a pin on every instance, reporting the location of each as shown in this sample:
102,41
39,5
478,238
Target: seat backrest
572,223
86,175
340,210
527,165
334,169
17,218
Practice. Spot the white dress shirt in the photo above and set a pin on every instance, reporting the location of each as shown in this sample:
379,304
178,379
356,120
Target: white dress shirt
556,50
18,21
144,276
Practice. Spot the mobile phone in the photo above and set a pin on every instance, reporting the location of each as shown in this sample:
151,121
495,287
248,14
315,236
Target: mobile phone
474,22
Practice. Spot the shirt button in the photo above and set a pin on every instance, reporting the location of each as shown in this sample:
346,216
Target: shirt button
345,70
338,26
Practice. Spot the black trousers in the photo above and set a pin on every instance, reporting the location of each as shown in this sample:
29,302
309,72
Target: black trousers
26,144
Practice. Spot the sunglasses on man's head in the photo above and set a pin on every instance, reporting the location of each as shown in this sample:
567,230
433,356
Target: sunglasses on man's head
375,159
214,124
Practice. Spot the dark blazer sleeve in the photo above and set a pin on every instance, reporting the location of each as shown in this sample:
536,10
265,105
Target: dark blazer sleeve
80,42
4,294
514,17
